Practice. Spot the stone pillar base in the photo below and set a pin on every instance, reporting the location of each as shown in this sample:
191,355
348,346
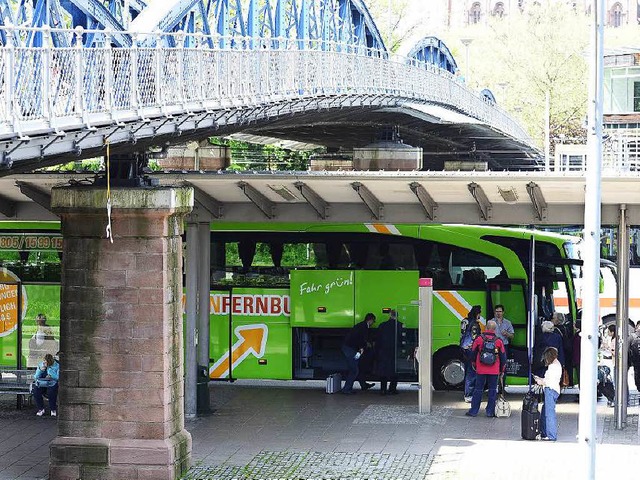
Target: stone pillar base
74,458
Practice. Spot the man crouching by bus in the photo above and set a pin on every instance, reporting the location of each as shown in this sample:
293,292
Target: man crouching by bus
490,360
353,347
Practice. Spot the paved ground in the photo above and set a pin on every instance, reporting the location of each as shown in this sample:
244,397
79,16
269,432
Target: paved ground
273,430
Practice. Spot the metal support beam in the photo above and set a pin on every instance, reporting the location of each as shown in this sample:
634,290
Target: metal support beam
315,200
622,324
373,204
7,207
259,200
190,331
537,200
204,287
428,203
481,199
40,197
210,204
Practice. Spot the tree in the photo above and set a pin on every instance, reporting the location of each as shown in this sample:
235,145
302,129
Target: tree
524,56
394,21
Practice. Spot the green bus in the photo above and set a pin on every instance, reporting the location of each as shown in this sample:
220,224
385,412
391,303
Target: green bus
283,296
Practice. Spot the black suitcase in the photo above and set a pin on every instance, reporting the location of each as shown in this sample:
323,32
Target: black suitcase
530,420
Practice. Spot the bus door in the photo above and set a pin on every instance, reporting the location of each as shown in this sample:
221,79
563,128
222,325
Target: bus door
512,294
250,334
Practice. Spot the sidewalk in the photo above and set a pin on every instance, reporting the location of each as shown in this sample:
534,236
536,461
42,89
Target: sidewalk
281,430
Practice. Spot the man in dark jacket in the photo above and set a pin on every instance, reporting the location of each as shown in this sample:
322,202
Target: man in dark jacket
386,342
487,372
353,347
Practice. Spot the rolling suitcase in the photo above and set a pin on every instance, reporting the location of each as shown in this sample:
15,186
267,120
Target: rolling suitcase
530,421
334,383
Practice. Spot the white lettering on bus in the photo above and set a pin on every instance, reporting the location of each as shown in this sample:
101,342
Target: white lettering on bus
337,283
306,288
250,305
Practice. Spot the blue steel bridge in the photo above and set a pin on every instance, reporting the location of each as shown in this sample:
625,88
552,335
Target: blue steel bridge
76,75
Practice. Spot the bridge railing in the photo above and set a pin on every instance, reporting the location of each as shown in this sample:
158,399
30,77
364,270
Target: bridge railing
48,88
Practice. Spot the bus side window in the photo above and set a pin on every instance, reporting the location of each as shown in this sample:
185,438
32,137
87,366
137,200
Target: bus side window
359,254
403,256
474,278
337,255
246,251
276,249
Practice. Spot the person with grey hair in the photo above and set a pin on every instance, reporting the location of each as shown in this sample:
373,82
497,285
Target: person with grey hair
548,338
388,335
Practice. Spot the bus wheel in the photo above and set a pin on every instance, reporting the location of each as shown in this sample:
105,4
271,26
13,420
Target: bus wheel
448,369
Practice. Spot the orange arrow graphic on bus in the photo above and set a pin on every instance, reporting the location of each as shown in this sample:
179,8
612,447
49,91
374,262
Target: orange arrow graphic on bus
252,340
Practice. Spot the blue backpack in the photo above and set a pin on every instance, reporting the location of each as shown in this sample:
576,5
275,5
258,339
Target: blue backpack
469,334
489,352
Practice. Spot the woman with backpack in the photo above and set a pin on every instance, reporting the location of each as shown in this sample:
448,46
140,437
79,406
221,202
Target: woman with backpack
491,361
470,328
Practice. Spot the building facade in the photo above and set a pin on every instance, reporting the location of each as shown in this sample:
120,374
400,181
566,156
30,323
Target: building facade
461,13
621,108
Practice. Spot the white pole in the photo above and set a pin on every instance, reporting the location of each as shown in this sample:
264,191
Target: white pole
466,42
591,298
622,324
547,132
424,343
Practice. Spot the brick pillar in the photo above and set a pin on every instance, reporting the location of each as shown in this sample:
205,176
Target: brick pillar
121,404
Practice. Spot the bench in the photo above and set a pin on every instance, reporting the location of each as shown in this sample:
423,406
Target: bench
16,382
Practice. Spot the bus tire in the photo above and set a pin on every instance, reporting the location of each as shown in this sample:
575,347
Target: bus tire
448,369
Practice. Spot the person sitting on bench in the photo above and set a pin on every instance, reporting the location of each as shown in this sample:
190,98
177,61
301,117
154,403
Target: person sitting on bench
46,381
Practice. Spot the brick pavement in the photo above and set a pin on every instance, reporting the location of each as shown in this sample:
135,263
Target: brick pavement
277,430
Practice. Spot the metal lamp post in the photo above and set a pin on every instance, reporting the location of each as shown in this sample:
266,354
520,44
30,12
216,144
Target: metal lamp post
466,42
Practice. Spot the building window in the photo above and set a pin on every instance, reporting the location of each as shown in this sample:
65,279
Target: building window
571,163
636,96
498,10
616,16
474,13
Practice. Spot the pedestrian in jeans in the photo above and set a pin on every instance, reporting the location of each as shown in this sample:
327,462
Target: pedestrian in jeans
487,373
551,384
470,328
46,381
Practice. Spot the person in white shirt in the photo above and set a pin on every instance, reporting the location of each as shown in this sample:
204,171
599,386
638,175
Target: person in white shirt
551,384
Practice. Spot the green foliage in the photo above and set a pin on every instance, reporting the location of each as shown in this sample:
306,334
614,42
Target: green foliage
394,21
253,156
294,255
89,165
